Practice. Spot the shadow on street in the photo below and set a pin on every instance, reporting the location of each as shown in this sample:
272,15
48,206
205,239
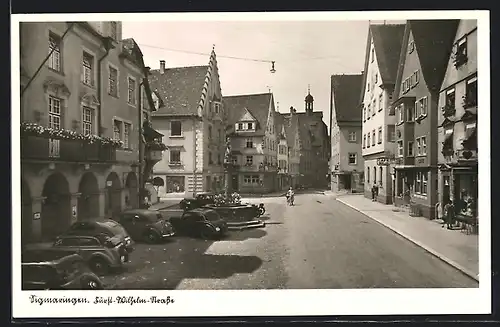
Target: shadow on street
245,234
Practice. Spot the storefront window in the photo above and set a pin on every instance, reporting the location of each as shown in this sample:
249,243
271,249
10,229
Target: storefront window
466,200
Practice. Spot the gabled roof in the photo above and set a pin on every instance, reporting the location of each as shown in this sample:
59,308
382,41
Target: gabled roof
345,90
179,88
290,123
434,42
247,116
256,104
279,122
387,41
306,132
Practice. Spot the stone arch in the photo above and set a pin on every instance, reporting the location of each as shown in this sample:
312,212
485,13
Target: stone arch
88,202
132,186
26,213
113,194
56,208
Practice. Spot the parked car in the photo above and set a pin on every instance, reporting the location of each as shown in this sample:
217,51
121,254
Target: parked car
50,271
199,200
102,253
146,225
96,227
204,223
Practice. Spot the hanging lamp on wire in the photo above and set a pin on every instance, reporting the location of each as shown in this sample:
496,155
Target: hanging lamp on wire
272,67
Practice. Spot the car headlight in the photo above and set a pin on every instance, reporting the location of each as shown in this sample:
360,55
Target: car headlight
217,229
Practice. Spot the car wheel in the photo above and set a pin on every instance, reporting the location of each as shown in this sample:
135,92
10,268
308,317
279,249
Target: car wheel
99,266
92,284
152,237
262,211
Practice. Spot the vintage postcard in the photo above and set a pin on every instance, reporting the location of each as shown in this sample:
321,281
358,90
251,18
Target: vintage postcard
250,164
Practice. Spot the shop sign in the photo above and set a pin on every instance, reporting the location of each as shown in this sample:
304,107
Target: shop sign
109,183
36,216
74,211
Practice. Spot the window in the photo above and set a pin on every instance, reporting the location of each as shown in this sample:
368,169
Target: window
368,175
470,99
381,171
250,125
175,128
113,30
374,106
410,114
175,157
55,50
234,160
369,112
249,160
117,130
401,113
410,149
364,113
421,107
373,137
113,81
374,175
352,136
364,141
249,143
411,47
450,98
210,159
251,179
376,78
87,69
379,135
373,53
217,107
380,102
424,145
461,52
55,112
424,184
88,120
353,158
416,78
368,143
421,183
209,133
391,133
240,126
400,148
131,91
419,147
126,135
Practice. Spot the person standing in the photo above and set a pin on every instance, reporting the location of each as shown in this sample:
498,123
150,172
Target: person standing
449,211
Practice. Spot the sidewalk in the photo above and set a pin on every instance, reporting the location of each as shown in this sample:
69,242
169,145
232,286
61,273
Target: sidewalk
452,246
164,203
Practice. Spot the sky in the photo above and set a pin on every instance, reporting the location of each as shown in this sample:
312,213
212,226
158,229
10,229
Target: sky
305,53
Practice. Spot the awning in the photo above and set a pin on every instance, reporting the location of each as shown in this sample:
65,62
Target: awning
151,132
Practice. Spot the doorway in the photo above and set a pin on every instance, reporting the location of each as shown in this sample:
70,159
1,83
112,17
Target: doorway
234,183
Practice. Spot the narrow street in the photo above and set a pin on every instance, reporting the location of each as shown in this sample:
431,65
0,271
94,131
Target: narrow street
318,243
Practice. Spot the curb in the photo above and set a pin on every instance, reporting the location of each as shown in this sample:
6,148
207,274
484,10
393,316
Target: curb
423,246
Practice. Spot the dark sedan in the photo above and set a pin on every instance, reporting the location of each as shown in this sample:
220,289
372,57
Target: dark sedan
197,201
204,223
145,225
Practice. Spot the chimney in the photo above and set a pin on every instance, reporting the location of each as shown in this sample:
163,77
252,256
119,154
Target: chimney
292,110
162,67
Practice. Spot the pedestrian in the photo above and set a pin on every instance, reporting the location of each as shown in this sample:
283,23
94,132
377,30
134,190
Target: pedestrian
373,192
449,211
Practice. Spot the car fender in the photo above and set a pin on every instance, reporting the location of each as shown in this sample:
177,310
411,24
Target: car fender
100,255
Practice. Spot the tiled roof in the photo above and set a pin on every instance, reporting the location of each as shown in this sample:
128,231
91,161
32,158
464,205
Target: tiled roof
256,104
314,134
434,42
180,89
279,122
387,40
346,89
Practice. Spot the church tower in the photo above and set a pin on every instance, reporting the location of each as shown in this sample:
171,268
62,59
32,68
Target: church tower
309,101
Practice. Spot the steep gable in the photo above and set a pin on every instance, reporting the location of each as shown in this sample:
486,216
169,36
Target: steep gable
247,116
387,40
345,91
258,105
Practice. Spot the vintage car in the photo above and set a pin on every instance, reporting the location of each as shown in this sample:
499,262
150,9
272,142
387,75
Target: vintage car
145,225
96,227
199,200
204,223
50,271
102,253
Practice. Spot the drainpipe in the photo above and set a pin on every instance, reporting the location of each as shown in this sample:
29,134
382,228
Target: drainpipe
108,46
141,144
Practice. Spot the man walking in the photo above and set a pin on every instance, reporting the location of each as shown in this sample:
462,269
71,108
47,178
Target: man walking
449,212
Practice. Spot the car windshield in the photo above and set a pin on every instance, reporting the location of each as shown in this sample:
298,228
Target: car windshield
212,216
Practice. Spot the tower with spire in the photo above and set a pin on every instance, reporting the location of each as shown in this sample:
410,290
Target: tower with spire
309,100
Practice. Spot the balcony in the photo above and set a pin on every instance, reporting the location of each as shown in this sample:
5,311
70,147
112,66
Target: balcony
41,148
154,155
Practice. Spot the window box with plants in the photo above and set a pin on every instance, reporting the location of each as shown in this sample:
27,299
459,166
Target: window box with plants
448,110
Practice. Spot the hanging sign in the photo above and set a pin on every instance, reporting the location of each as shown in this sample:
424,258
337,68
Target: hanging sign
109,183
74,211
36,216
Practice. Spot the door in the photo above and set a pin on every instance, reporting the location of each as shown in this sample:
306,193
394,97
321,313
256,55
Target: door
234,184
348,182
446,190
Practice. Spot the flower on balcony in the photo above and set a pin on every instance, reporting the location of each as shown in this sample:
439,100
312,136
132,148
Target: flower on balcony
448,110
156,145
34,129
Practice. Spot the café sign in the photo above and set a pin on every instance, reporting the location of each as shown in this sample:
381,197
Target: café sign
387,161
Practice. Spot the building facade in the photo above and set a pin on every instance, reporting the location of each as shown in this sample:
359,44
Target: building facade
314,146
81,117
193,120
284,180
254,142
346,163
425,52
293,142
381,60
457,121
